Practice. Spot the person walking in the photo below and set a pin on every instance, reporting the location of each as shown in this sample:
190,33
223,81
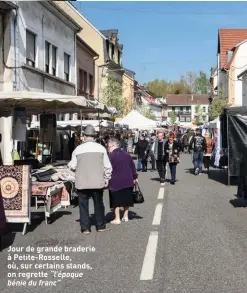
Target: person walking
150,151
198,144
158,149
140,151
185,140
172,153
124,176
92,174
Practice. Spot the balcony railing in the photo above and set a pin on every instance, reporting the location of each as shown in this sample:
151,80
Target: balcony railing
184,112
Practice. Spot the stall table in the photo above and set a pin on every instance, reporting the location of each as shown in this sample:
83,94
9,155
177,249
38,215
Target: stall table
50,194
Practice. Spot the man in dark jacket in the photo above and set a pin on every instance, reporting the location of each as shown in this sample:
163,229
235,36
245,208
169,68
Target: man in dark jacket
140,151
198,144
150,151
160,156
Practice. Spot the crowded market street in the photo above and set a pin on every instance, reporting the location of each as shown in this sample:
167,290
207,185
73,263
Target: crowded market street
190,237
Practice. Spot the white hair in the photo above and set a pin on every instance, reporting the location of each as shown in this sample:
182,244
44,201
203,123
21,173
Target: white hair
115,142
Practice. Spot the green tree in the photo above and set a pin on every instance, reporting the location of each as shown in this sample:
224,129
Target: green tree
198,115
217,106
202,84
173,117
113,95
146,111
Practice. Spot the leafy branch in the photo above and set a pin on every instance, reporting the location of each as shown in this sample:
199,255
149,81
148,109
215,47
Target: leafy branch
113,95
217,106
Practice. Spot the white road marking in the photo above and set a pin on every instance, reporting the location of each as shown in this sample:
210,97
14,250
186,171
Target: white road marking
149,259
161,193
157,214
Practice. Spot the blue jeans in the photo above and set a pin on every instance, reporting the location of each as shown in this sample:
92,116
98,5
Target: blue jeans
198,160
173,168
139,164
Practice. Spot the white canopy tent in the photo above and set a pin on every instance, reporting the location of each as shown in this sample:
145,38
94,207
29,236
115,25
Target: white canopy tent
137,121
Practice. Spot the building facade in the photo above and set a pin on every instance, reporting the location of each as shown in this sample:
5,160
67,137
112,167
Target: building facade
128,89
185,108
38,54
95,40
231,59
114,56
41,50
86,57
236,65
243,76
145,100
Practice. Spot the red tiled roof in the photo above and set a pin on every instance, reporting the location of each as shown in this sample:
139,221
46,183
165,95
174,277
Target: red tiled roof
227,39
187,99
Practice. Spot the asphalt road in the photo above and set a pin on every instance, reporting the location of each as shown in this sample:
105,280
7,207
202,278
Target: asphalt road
190,237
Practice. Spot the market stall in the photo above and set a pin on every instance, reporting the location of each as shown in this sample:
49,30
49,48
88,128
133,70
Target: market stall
15,181
234,140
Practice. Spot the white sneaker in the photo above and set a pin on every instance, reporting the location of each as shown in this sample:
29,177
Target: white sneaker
196,171
125,219
116,222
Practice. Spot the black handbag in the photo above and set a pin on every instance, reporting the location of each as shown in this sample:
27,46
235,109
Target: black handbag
137,194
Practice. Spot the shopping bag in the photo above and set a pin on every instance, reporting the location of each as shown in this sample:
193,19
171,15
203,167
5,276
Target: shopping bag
137,194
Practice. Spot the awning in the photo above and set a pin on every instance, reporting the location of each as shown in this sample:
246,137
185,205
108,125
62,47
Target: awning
39,102
76,123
